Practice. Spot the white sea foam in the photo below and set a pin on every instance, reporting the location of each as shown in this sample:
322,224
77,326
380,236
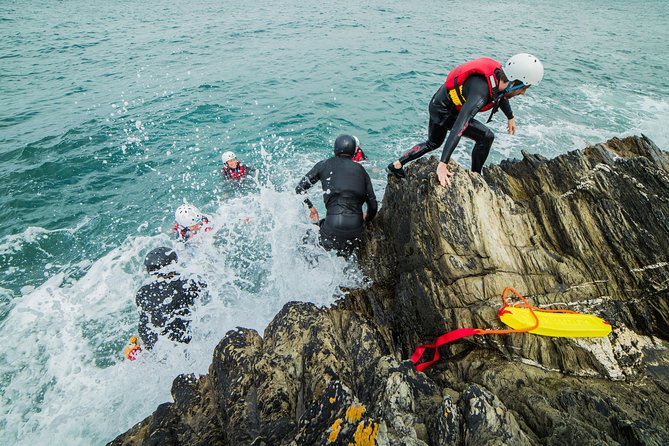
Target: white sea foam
67,379
61,378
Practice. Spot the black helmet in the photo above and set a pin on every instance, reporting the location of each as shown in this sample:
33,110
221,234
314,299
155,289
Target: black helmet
344,145
159,258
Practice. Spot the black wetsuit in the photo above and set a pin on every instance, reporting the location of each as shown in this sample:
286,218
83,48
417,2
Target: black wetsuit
346,187
444,117
164,309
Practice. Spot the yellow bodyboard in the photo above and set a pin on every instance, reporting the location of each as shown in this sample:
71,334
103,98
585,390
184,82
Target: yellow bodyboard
565,325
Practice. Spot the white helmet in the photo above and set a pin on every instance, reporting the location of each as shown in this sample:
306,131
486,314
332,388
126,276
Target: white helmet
187,215
525,68
227,156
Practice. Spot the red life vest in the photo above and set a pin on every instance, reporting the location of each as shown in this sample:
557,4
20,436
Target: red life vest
185,233
234,174
359,155
456,78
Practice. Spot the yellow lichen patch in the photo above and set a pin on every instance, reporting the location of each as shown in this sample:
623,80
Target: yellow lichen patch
365,435
334,431
354,413
332,400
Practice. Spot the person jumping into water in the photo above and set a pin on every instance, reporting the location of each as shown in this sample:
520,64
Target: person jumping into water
475,86
346,187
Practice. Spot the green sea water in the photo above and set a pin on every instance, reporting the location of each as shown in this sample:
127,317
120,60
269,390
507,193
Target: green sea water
114,113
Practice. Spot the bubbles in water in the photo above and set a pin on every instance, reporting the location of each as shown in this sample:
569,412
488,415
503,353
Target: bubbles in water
67,336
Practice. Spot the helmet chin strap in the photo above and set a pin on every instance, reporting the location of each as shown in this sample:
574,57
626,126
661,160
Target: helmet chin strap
497,96
509,88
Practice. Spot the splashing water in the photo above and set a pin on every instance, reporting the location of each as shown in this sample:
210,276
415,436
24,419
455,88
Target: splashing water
66,337
118,113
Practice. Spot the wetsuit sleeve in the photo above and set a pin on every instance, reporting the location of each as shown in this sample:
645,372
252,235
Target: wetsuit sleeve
505,106
309,180
190,292
476,95
372,205
146,333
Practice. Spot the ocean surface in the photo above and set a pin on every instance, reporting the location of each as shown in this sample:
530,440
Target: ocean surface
115,113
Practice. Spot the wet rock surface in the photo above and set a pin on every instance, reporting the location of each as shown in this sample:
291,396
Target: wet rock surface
587,231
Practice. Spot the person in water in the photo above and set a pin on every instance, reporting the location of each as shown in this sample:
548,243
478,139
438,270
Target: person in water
475,86
189,222
164,302
358,155
232,169
346,187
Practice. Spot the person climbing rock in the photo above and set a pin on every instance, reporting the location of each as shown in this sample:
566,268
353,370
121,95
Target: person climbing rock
475,86
346,187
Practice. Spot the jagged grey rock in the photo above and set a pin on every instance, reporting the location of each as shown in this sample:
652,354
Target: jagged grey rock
587,231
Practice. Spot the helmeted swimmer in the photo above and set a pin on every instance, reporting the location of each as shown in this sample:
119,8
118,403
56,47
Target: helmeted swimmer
189,221
232,169
475,86
164,303
133,349
346,187
358,155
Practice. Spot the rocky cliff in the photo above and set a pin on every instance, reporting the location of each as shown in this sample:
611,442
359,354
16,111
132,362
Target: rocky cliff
587,231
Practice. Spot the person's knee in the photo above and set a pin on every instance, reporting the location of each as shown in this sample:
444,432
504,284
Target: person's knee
488,139
483,143
481,150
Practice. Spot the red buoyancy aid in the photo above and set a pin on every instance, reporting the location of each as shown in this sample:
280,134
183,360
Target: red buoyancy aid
359,155
456,78
235,174
184,233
